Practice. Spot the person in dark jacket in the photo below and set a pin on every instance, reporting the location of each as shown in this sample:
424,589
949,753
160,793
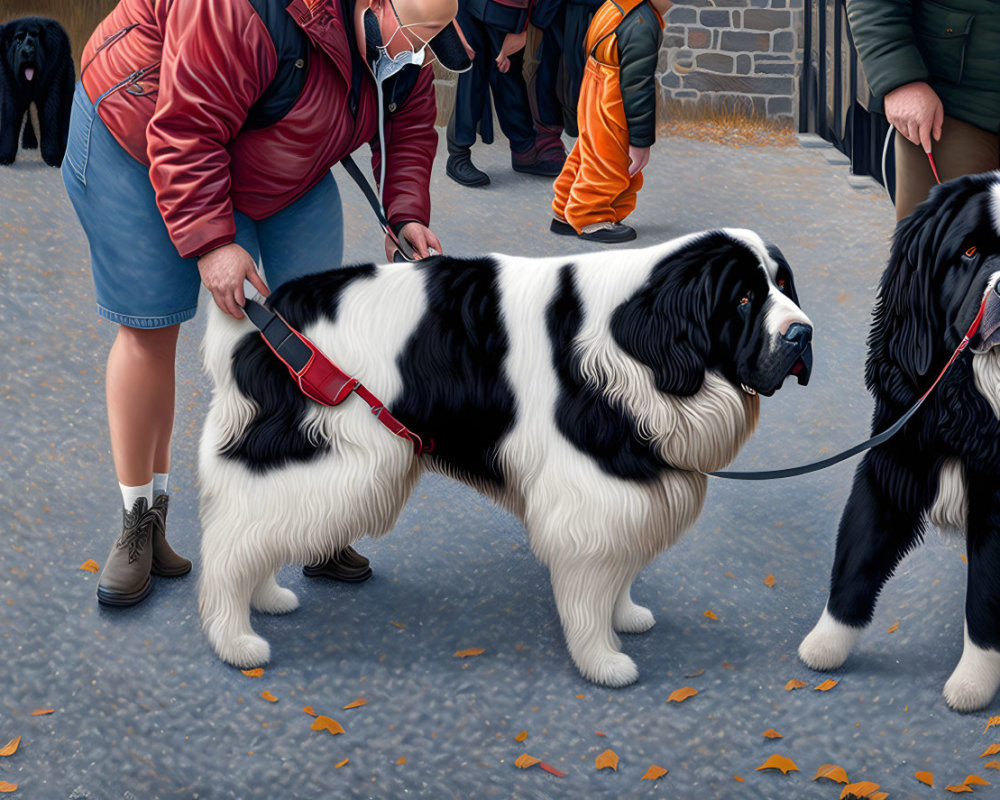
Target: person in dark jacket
496,30
201,142
545,88
616,115
934,68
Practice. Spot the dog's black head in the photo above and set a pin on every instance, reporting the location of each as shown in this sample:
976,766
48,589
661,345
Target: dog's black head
945,259
23,47
724,302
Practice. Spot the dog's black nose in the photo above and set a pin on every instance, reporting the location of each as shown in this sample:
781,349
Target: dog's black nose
798,333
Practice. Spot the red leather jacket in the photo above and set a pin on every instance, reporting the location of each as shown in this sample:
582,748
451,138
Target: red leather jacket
178,78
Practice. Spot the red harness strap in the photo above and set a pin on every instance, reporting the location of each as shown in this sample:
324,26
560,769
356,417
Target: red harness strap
318,378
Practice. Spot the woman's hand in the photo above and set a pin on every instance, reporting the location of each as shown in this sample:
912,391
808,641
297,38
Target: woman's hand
420,237
223,271
915,110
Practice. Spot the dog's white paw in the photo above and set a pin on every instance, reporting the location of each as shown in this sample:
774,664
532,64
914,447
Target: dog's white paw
828,644
975,680
246,650
614,670
274,600
633,619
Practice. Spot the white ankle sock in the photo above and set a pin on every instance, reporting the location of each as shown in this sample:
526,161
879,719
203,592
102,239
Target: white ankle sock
160,480
132,493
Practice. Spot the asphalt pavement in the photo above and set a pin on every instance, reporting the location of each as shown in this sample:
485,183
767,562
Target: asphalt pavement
140,707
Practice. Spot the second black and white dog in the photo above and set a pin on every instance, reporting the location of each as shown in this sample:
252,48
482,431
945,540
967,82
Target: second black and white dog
585,394
944,465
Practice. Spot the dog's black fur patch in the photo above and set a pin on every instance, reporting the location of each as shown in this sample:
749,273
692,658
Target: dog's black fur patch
40,45
928,296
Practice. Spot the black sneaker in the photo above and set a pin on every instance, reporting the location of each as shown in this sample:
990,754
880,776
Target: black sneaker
348,566
608,232
561,227
461,170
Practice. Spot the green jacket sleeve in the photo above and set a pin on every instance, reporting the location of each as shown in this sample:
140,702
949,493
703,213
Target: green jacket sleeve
883,33
639,37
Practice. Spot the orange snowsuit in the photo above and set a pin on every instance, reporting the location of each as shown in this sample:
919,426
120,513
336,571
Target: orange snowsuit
594,185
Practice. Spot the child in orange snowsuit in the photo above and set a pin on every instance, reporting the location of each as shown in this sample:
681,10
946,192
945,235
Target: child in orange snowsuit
616,116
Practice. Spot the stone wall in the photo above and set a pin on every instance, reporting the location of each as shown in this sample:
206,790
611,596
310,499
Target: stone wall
742,56
739,55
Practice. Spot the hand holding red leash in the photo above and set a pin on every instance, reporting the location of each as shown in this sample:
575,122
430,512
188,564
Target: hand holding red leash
223,271
915,110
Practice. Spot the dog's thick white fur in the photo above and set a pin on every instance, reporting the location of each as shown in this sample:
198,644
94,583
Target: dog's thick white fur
592,525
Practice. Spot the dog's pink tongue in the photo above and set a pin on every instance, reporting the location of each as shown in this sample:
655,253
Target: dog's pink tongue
29,73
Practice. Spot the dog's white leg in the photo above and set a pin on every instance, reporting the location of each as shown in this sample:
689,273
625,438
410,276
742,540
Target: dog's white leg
224,589
585,594
976,678
629,617
270,598
828,644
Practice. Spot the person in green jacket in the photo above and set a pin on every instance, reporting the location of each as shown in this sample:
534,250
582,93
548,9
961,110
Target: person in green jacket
935,71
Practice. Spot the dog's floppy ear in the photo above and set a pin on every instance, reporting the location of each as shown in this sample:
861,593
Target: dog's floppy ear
921,289
665,324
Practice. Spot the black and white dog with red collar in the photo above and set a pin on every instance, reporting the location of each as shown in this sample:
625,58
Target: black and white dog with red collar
944,464
586,394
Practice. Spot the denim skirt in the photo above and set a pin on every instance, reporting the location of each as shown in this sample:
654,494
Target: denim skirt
139,278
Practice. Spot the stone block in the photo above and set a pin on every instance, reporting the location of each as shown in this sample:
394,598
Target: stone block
779,106
681,15
738,84
784,42
762,67
714,62
714,18
745,42
765,19
744,64
699,38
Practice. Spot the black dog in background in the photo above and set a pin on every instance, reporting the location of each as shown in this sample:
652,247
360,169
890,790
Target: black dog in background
36,66
944,465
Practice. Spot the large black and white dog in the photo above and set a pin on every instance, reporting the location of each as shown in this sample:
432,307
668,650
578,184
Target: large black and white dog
36,66
587,395
945,463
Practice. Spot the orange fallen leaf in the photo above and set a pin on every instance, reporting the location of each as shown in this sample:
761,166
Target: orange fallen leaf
256,672
680,695
7,787
992,750
521,736
654,773
827,685
993,721
90,565
738,778
878,796
609,758
472,651
771,733
832,773
401,760
309,710
11,747
794,684
323,723
893,628
769,581
727,665
786,765
975,780
268,696
925,778
859,789
696,674
711,615
992,765
356,704
603,735
41,711
399,625
524,761
339,765
957,788
551,769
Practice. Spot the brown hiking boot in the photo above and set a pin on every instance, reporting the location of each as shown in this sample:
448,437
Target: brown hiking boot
166,563
125,579
348,565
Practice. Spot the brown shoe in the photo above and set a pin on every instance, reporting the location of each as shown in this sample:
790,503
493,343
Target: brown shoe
125,579
348,565
166,563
